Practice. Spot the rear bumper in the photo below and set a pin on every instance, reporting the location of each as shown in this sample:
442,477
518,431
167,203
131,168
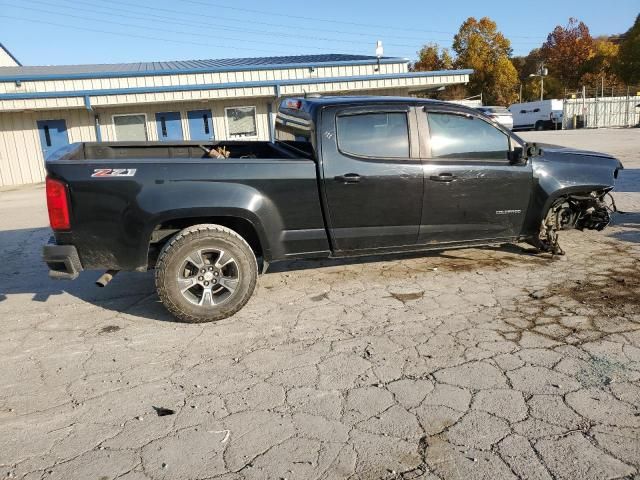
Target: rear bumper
63,261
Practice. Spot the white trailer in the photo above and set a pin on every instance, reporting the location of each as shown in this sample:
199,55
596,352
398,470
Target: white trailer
540,115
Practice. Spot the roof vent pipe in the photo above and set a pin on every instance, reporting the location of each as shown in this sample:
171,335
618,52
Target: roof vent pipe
379,53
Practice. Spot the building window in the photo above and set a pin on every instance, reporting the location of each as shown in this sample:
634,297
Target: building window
375,135
130,128
241,122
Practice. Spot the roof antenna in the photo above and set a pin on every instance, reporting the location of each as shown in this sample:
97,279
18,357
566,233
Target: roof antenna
379,53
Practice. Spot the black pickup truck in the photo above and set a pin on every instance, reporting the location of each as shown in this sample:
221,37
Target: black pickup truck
346,176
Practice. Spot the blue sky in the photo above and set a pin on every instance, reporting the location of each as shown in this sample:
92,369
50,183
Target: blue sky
43,32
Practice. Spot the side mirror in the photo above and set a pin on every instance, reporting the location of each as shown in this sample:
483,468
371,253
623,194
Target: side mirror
516,156
533,150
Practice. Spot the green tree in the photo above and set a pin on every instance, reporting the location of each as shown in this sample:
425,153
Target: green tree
528,64
566,52
628,62
552,88
431,57
480,46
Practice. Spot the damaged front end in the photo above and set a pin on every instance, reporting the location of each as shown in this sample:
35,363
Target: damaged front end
572,191
580,211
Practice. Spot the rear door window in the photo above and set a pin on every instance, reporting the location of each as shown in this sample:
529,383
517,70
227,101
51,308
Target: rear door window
465,136
374,135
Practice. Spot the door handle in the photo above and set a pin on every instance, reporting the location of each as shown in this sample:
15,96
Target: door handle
443,177
347,178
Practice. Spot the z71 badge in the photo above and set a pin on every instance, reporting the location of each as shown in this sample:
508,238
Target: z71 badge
114,172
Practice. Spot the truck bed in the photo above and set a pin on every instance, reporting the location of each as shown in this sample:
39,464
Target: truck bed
89,151
121,194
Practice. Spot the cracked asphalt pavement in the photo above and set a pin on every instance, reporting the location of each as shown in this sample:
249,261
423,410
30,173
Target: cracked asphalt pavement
490,363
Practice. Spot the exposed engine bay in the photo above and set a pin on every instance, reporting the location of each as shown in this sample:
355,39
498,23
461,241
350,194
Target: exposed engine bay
580,211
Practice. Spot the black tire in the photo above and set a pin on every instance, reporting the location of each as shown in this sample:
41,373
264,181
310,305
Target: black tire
204,244
539,126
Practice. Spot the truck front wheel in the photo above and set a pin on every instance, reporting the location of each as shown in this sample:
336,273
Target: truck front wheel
205,273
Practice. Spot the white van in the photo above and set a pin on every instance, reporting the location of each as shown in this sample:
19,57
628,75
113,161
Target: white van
541,115
499,114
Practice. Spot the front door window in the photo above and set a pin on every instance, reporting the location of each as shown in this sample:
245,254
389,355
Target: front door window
459,136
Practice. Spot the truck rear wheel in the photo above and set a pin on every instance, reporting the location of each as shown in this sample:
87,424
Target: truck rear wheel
205,273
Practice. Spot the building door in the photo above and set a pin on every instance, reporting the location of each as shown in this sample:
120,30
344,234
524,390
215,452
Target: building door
200,125
169,126
53,135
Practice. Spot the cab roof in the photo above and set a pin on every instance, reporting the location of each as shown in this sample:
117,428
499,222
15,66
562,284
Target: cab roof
309,104
357,99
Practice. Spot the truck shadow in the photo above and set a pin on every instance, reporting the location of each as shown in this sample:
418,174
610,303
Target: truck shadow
24,281
630,223
628,181
454,260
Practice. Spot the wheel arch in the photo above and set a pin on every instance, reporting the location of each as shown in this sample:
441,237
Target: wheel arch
568,191
544,199
243,223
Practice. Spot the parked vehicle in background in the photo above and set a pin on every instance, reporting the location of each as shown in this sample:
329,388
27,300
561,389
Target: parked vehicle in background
347,176
500,114
540,115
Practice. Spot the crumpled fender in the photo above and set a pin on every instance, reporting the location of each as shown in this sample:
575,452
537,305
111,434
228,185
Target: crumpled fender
561,171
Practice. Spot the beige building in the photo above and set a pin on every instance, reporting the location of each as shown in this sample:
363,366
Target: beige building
45,108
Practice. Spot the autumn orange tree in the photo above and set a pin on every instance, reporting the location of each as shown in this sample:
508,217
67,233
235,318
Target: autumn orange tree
567,51
431,57
480,46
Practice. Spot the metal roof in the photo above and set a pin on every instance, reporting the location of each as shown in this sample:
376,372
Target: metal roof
187,66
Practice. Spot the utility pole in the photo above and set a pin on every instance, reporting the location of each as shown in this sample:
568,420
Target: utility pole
520,96
542,72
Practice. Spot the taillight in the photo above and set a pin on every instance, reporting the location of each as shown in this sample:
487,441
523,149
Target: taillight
58,205
294,104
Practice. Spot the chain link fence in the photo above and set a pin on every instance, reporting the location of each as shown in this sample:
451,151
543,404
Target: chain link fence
596,108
